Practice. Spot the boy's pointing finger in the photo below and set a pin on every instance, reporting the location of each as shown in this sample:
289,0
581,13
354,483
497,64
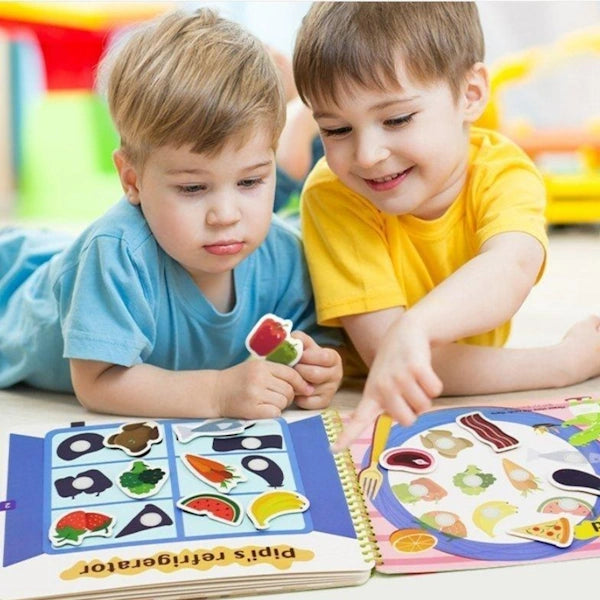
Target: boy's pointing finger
364,415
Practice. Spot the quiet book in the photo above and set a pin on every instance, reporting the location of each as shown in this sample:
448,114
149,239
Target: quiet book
218,507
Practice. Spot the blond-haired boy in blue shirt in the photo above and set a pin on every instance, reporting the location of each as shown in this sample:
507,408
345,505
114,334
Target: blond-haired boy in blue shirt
146,312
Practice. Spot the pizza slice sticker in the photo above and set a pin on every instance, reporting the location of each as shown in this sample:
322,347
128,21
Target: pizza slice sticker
558,532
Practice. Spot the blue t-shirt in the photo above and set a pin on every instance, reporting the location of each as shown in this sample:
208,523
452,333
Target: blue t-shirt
114,295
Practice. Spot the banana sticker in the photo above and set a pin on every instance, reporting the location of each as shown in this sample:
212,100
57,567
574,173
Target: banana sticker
272,504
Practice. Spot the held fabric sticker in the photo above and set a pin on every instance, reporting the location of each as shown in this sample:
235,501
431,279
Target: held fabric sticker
135,439
487,431
272,504
73,527
271,339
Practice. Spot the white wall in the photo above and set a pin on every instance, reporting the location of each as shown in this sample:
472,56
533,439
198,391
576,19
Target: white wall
508,25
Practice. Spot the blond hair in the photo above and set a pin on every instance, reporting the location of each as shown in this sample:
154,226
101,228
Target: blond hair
191,79
343,44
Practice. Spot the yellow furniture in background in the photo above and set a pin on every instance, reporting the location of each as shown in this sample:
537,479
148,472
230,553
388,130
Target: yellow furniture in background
573,194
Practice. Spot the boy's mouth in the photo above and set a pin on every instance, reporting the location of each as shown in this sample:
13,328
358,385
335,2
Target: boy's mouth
224,248
382,184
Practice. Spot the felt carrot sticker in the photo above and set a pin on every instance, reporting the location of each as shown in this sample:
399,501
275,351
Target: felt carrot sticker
216,474
520,478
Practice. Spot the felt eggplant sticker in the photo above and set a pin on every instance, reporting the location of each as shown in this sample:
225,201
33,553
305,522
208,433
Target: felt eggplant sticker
150,517
265,468
79,445
88,482
576,480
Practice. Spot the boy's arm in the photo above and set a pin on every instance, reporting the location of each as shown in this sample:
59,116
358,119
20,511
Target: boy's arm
469,369
484,293
254,389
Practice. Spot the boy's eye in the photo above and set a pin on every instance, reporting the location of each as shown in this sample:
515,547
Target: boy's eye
191,189
336,132
399,121
250,183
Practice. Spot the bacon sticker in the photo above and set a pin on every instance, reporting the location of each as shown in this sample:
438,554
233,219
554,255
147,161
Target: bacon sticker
487,432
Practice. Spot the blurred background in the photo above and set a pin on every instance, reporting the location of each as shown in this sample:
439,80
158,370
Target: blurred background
56,138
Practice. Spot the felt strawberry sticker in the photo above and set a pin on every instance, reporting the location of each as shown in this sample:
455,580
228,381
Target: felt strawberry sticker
70,529
73,527
97,521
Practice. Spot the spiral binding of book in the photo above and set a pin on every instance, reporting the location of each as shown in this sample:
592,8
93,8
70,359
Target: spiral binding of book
356,502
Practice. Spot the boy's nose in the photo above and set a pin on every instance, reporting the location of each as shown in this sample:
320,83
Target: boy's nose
369,152
222,213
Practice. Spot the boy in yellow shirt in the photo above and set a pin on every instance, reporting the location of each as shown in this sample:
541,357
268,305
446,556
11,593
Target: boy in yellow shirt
420,230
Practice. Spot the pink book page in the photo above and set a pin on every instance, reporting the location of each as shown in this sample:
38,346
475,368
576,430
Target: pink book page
507,485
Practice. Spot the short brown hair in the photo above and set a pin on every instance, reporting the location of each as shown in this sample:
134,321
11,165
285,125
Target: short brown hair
341,44
191,79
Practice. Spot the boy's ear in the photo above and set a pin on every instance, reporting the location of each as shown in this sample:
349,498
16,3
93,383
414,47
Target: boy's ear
128,175
476,92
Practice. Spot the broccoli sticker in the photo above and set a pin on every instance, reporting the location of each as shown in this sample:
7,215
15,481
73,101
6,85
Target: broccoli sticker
140,480
473,481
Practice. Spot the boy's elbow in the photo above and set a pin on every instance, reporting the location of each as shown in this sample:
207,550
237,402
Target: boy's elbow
86,380
88,398
530,264
522,257
86,402
528,270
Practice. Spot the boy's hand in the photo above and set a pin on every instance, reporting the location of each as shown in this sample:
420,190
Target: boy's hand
320,367
258,389
401,381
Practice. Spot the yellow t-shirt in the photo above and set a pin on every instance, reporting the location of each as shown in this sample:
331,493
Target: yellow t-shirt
362,260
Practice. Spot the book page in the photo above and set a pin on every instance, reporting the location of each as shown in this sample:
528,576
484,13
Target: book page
114,507
481,487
